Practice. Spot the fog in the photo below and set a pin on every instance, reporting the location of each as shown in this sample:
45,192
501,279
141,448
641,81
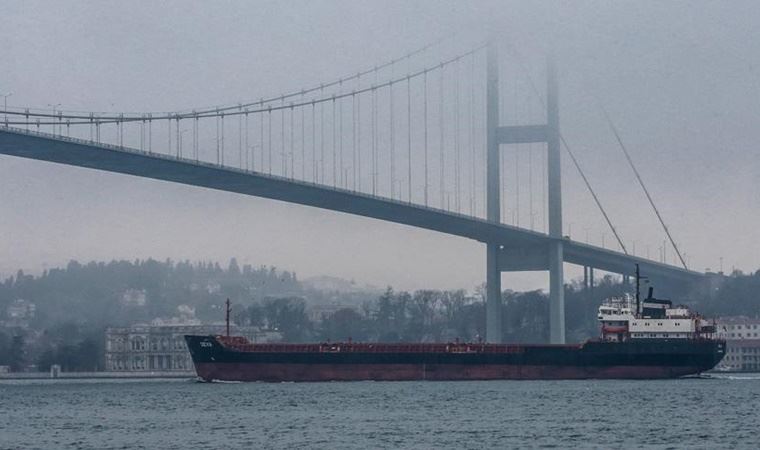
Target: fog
680,80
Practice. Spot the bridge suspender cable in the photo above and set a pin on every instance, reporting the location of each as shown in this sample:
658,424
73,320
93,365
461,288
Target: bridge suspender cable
314,167
409,138
341,169
392,142
373,132
442,159
472,135
425,141
457,160
641,182
358,145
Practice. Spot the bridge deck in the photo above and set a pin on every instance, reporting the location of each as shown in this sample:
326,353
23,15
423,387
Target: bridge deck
80,153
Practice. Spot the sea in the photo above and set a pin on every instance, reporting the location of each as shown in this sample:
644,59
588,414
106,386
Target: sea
709,412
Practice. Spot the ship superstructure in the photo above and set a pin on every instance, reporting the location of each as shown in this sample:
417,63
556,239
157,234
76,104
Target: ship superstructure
624,318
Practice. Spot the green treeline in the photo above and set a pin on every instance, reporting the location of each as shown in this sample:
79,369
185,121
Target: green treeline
436,316
431,316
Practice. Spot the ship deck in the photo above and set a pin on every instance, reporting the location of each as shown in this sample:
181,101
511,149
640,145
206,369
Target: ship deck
241,344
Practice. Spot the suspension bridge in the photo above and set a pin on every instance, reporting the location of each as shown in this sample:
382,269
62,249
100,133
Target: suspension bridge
422,147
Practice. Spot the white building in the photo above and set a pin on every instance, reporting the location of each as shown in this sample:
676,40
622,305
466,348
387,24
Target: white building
742,335
133,297
161,346
19,313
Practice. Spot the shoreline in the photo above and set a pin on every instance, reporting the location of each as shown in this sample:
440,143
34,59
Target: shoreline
96,375
168,375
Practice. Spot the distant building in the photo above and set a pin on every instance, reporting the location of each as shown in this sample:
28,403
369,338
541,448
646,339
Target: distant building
318,313
19,312
133,297
186,316
339,285
161,346
213,287
742,335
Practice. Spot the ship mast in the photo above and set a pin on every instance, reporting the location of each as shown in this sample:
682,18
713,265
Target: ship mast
227,316
638,289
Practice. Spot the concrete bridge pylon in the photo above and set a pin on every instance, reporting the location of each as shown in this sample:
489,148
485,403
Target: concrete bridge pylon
500,257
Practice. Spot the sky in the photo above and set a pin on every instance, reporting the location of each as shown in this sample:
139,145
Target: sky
679,79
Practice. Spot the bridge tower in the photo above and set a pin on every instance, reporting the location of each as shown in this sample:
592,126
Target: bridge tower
502,258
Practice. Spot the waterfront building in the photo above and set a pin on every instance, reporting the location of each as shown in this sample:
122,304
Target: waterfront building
160,346
742,335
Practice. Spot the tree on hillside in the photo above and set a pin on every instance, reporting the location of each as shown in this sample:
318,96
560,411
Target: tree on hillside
288,315
344,324
17,353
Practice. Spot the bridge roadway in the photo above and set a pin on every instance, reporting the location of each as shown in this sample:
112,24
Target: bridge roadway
522,249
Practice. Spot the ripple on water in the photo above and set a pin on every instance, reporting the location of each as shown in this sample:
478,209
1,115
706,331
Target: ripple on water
701,413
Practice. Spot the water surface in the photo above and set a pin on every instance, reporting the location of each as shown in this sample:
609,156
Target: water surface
719,412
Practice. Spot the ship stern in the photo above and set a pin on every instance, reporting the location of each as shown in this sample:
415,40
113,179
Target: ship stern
718,352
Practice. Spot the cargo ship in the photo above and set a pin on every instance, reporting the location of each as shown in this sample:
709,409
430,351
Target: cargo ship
640,339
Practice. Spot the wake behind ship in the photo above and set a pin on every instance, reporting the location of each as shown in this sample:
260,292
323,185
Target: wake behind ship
638,340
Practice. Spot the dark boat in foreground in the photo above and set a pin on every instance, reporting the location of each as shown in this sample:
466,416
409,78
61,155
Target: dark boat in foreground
639,340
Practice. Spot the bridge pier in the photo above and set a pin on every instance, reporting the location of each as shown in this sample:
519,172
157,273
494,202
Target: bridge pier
585,278
588,282
556,294
493,295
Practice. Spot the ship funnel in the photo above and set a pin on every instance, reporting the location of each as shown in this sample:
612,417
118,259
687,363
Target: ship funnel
651,291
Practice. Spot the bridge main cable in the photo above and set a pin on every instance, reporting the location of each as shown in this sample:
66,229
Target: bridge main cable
83,119
185,114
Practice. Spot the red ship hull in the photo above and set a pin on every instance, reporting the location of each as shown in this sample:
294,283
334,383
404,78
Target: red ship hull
274,372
